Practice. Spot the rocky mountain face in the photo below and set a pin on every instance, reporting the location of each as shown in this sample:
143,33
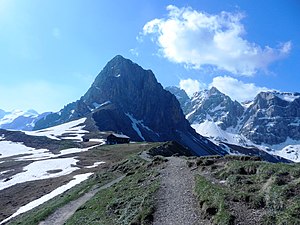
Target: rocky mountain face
19,120
215,106
271,120
182,98
128,99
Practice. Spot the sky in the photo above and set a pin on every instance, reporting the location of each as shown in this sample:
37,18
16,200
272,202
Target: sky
52,50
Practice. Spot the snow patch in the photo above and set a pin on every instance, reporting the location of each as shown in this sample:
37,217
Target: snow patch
8,149
71,129
77,179
94,165
39,170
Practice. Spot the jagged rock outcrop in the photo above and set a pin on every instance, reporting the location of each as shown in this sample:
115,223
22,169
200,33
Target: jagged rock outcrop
214,106
126,98
272,118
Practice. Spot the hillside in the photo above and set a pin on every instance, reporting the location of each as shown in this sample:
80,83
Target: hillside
140,189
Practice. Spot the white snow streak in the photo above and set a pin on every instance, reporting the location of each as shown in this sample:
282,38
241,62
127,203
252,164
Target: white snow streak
134,125
77,179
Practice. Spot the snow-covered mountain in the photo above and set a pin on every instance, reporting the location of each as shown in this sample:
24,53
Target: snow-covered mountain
270,122
19,120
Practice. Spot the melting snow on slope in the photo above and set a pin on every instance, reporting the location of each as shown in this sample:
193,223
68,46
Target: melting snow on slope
134,125
39,170
290,149
94,165
77,179
8,148
72,130
212,130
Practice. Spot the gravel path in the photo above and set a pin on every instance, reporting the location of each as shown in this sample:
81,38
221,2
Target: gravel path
176,203
60,216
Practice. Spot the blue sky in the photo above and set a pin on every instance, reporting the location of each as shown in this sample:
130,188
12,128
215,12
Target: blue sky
52,50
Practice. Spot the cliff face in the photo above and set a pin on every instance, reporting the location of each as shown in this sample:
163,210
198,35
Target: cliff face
272,118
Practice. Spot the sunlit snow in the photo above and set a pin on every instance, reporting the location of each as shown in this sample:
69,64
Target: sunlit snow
39,170
72,130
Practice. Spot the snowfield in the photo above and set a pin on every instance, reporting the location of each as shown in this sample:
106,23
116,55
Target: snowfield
72,130
8,148
290,149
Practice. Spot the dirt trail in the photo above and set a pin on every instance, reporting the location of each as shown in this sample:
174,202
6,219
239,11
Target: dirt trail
176,203
60,216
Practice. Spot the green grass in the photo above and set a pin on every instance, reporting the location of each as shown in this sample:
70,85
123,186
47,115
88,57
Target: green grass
212,201
112,155
128,202
274,188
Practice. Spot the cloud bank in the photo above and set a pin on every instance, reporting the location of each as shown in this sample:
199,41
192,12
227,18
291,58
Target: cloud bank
191,86
199,39
236,89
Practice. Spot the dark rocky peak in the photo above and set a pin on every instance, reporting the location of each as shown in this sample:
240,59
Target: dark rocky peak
126,98
214,91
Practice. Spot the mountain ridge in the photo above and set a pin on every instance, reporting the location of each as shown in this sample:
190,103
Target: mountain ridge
270,122
126,98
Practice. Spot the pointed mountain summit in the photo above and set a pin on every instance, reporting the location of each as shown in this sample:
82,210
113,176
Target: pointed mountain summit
126,98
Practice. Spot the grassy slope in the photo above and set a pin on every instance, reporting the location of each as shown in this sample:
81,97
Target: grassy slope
114,156
271,189
128,202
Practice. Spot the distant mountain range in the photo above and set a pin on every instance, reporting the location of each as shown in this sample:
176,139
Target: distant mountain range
19,120
125,98
270,122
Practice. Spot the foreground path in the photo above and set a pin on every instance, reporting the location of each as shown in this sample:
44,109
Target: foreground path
175,202
60,216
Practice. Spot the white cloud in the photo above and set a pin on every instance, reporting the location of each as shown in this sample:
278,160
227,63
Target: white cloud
235,89
191,86
198,39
